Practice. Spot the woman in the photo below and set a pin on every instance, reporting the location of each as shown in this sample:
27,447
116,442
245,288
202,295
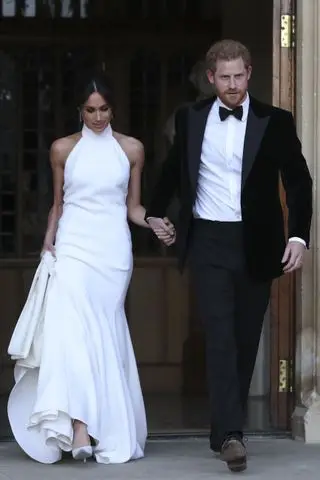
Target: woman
85,397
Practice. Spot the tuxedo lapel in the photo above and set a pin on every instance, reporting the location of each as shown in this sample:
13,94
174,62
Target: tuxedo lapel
196,127
256,127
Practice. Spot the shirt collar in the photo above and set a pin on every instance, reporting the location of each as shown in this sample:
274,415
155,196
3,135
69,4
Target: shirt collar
245,105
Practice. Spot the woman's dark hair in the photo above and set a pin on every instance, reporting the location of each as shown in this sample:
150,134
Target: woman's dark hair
96,83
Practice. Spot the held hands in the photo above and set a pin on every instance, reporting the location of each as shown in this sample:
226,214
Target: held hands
293,256
163,229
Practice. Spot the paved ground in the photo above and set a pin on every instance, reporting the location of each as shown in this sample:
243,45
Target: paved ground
186,459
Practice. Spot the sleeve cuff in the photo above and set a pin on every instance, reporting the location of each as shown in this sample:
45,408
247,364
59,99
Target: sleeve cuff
297,239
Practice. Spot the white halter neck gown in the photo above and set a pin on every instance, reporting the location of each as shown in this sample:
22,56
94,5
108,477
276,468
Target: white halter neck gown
88,369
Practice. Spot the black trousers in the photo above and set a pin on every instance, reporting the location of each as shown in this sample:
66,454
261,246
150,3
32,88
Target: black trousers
232,307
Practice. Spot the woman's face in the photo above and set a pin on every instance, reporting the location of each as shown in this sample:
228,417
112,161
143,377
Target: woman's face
96,113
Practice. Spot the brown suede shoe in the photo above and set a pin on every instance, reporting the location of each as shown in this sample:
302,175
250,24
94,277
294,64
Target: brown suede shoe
234,453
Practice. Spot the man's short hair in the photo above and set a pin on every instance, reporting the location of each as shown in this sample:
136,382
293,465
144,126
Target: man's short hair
227,50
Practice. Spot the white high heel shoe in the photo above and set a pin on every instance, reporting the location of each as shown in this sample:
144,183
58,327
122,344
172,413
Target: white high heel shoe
82,453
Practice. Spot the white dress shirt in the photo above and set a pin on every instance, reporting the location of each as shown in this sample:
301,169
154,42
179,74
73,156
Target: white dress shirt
219,183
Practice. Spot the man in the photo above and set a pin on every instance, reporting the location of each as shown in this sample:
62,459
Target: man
202,90
225,163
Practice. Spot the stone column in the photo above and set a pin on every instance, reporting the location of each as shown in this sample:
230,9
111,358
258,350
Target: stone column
306,417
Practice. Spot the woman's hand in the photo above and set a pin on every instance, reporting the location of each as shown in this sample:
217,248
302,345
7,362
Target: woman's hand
48,247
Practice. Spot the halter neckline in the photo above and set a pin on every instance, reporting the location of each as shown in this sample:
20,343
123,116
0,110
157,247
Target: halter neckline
106,133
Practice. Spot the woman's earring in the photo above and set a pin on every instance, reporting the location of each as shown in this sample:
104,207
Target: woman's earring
80,116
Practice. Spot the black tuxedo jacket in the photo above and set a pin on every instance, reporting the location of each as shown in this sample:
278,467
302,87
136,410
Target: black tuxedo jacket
271,147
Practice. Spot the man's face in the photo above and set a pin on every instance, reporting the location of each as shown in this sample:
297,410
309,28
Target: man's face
231,81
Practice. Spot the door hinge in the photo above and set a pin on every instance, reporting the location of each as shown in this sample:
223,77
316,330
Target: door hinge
288,31
285,376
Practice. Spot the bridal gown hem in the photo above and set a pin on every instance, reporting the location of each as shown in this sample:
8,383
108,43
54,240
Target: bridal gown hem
87,369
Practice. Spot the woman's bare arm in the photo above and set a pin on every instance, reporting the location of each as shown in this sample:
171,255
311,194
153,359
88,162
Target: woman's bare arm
135,153
59,152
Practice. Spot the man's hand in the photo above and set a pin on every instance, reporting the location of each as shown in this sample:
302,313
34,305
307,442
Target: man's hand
163,229
293,256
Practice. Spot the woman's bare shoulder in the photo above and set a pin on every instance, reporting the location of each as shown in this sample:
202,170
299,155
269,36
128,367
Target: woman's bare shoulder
62,147
133,148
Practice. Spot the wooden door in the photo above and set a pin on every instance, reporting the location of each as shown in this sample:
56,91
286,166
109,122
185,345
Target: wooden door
283,292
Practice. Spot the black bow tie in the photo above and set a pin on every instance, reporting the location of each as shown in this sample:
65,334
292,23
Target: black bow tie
236,112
